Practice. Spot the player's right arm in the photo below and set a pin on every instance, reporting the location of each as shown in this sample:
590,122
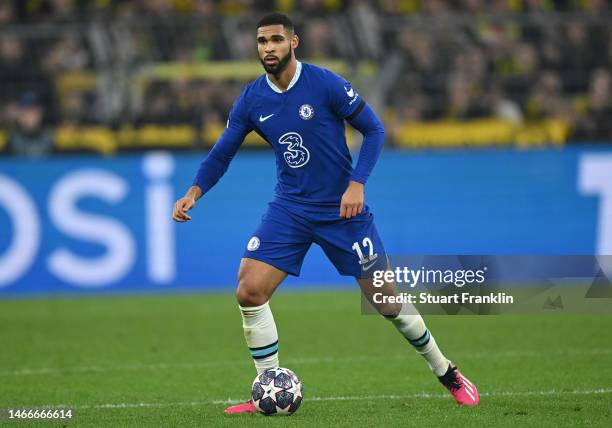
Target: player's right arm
216,163
187,202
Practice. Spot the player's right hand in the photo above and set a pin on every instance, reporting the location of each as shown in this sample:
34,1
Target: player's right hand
179,213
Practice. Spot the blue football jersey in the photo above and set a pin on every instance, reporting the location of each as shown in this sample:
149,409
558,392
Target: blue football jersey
305,127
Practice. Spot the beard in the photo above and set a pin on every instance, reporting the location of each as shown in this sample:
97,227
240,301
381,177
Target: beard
279,66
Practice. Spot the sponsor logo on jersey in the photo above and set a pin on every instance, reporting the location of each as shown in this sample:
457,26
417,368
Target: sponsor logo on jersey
296,155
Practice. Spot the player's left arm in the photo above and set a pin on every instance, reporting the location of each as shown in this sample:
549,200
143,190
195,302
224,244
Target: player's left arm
373,131
349,105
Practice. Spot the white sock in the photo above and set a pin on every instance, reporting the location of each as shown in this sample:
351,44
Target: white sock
261,336
413,328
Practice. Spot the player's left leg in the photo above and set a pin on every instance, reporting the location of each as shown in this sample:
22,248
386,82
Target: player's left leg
355,248
410,324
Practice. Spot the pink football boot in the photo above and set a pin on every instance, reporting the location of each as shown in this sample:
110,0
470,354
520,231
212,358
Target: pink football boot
460,387
238,409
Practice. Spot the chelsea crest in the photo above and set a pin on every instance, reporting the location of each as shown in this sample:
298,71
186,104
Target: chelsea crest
306,111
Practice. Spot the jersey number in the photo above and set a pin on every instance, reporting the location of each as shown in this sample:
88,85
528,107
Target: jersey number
367,243
296,155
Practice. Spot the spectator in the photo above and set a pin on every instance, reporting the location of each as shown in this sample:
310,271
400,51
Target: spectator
546,96
596,112
458,59
464,100
29,136
7,15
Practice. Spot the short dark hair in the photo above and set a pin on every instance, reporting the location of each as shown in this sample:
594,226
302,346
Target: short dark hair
276,19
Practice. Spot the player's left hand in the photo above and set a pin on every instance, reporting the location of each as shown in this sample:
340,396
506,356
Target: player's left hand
352,200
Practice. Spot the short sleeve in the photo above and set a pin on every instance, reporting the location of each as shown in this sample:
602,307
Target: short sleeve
344,98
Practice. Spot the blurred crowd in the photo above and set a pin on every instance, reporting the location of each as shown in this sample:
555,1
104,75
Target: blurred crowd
76,62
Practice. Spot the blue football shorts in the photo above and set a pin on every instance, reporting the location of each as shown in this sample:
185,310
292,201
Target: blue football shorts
288,229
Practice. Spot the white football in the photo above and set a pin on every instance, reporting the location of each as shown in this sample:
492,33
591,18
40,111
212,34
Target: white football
277,392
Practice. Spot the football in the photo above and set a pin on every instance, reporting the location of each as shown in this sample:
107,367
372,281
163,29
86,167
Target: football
277,392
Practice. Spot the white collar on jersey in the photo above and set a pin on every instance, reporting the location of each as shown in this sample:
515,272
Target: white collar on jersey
296,76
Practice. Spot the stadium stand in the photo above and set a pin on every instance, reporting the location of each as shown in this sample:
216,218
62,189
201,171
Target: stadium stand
108,75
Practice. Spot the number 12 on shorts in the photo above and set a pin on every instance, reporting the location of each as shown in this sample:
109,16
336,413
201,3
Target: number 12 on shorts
366,243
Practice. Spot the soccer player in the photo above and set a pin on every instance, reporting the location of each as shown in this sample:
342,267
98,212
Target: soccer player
300,110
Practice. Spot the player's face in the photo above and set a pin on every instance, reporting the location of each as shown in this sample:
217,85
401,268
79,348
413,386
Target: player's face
275,47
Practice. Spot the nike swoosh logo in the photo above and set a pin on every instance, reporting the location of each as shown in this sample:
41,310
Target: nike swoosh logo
369,266
263,119
350,93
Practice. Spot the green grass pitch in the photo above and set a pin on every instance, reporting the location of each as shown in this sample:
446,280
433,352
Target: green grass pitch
177,360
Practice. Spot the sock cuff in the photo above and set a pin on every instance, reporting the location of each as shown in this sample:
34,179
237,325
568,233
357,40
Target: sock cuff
260,334
254,309
407,309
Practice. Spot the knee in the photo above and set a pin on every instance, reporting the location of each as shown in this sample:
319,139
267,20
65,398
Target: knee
249,292
389,310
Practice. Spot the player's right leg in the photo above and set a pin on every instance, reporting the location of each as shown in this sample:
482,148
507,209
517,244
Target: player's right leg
257,281
256,284
276,249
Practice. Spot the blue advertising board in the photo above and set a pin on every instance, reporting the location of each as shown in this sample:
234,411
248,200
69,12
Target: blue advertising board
93,224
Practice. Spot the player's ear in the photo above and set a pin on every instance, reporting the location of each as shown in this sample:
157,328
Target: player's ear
295,41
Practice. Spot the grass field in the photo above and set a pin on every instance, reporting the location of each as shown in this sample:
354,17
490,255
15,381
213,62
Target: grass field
178,360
